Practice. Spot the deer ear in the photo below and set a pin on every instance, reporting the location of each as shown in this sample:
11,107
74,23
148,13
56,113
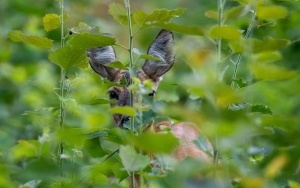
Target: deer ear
99,57
161,48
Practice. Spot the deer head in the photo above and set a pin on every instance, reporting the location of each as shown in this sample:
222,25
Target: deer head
161,48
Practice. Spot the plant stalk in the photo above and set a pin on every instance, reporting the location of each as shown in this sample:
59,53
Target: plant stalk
219,42
127,4
61,89
131,72
238,60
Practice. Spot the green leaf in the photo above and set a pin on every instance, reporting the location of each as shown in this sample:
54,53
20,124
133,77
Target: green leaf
72,136
118,12
67,57
157,16
139,18
261,108
86,41
258,46
132,160
185,29
212,14
94,102
225,32
271,12
84,28
51,22
271,72
145,56
164,15
25,148
268,56
241,83
18,36
125,110
236,12
116,64
155,143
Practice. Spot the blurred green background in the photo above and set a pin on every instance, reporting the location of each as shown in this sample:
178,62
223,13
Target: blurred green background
248,142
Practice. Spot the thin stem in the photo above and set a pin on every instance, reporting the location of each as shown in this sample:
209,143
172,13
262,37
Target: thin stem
61,89
238,60
131,72
219,42
127,3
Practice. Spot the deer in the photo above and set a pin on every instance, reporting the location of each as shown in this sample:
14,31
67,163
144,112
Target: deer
162,48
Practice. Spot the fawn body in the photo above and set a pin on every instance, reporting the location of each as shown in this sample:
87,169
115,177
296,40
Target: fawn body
162,49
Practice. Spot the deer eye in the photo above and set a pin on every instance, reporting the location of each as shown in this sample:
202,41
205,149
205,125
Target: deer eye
113,95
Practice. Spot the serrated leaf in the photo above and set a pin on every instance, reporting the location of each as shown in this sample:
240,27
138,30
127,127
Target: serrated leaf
132,160
84,28
155,143
67,57
241,83
163,15
118,12
51,22
18,36
225,32
157,16
211,14
139,18
185,29
261,108
125,110
271,12
86,41
271,72
116,64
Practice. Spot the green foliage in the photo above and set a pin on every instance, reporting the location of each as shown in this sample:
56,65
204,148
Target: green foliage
51,22
18,36
132,160
68,56
236,76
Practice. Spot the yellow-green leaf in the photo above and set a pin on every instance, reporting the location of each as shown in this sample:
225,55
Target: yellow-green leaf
152,142
236,12
225,32
118,12
275,166
86,41
258,46
125,110
157,16
68,56
132,160
293,184
25,148
51,22
18,36
268,56
211,14
116,64
271,12
271,72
